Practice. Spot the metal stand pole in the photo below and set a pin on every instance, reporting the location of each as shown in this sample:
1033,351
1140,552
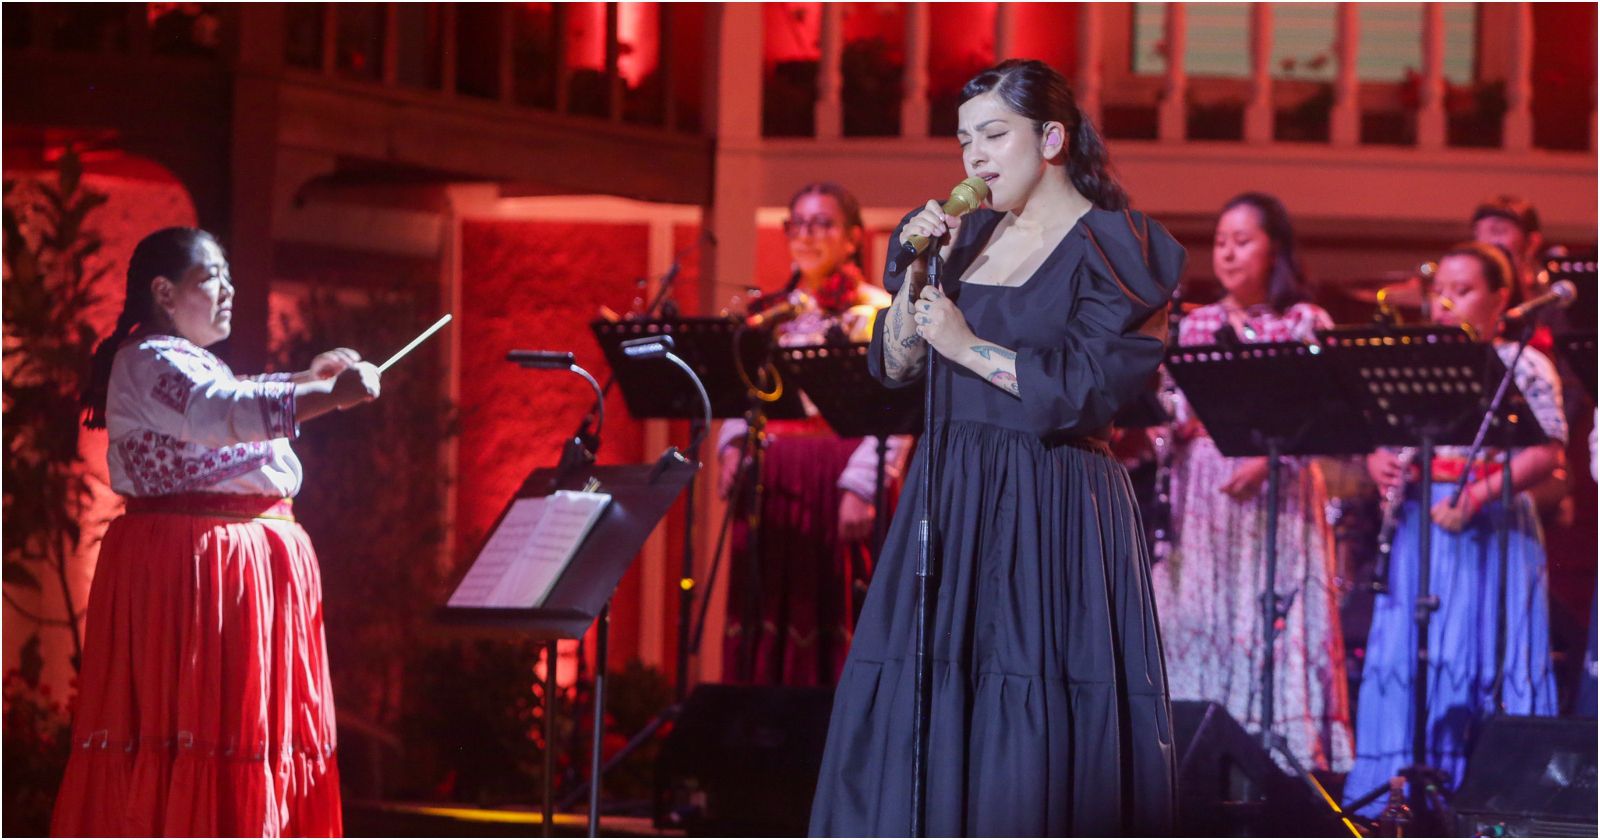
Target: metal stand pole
880,493
1425,606
549,738
602,634
926,573
1507,499
1270,604
686,587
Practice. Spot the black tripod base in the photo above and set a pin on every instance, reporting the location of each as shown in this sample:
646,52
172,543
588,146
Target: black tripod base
1229,785
1431,814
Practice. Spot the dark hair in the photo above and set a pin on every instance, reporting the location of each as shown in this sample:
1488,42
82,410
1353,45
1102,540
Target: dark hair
848,204
1287,284
1511,208
1499,269
1036,91
168,253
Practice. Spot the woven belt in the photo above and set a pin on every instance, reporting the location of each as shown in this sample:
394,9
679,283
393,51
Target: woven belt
216,506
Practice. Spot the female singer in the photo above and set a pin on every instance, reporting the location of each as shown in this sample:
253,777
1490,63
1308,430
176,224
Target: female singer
1049,704
1471,287
791,609
1209,591
204,707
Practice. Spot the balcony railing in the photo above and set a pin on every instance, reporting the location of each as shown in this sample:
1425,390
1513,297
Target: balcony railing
627,63
814,95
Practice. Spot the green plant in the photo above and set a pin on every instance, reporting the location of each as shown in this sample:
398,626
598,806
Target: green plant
37,738
50,285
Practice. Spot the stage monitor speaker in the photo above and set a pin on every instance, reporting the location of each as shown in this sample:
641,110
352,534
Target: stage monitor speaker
1530,777
1228,786
743,761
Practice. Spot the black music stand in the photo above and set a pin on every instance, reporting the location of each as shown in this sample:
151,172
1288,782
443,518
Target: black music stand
734,362
707,346
641,494
1425,387
1272,399
1577,349
836,378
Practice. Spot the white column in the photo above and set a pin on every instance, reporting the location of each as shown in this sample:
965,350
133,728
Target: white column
1091,26
830,107
1258,115
1430,112
1344,121
1005,31
1172,115
1517,130
735,80
914,99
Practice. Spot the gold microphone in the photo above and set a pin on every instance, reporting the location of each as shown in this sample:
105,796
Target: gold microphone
964,198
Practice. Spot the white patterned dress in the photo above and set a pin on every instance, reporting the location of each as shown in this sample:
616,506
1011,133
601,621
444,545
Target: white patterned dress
1208,592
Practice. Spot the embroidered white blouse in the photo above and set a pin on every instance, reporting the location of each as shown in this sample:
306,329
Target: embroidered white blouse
180,422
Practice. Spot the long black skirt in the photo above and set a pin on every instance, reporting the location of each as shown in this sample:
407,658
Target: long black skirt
1050,712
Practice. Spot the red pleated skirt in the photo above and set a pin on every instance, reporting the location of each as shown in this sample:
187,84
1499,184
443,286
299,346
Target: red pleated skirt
204,706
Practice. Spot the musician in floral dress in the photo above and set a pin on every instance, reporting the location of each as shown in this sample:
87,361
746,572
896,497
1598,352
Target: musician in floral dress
1209,590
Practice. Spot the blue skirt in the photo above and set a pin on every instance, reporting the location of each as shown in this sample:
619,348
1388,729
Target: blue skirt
1461,642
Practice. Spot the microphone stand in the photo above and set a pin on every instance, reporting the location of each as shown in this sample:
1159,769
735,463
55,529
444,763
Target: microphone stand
1507,499
651,347
926,584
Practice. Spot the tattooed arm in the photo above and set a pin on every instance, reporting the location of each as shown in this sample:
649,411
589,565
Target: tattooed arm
941,324
904,351
996,364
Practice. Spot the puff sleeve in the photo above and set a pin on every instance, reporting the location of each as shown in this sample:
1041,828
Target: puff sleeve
1116,336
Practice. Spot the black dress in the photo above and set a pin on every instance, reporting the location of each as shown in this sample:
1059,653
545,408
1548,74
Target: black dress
1050,711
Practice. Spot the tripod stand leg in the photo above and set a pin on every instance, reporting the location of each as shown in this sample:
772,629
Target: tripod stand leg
686,593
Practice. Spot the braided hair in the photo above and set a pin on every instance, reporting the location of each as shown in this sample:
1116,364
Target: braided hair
168,253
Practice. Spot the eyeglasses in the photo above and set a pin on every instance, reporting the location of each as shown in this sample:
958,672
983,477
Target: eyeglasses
809,227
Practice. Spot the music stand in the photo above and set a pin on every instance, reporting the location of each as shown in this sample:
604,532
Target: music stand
1577,349
1271,399
1425,387
855,404
730,359
641,495
707,346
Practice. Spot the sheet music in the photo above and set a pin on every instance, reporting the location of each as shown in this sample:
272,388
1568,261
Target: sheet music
529,550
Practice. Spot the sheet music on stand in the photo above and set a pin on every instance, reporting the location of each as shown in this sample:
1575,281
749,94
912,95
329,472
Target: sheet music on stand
529,550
